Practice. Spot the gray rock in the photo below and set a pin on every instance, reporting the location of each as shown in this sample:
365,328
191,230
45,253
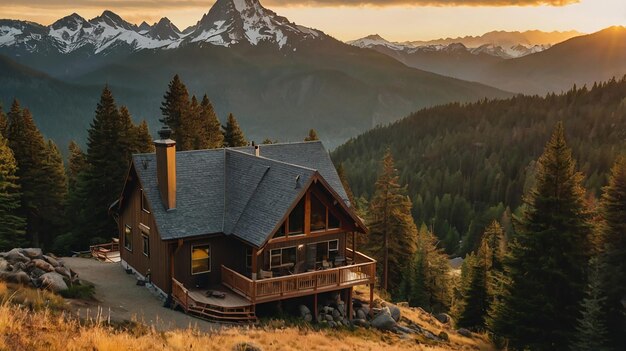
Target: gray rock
36,273
328,317
396,314
361,323
360,314
332,324
53,281
308,318
41,264
32,252
404,336
336,315
429,335
15,256
444,336
383,320
53,261
328,309
246,346
4,265
304,310
464,332
443,318
403,329
64,272
20,277
341,307
18,267
366,309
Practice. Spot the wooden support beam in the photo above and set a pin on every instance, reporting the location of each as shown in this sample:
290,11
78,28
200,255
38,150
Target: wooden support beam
315,307
354,247
349,302
371,297
255,267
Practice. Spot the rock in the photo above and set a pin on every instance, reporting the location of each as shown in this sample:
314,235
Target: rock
360,314
396,314
53,261
383,320
443,318
53,281
429,335
246,346
36,273
20,277
361,322
464,332
404,336
41,264
4,265
64,272
14,256
403,304
403,329
18,267
328,309
336,315
366,309
304,310
32,252
308,318
444,336
341,307
328,317
332,324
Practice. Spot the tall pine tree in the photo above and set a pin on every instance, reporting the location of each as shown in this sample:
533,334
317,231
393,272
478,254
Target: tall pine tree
175,110
233,135
13,225
52,210
213,137
4,122
144,142
77,163
613,230
546,266
392,238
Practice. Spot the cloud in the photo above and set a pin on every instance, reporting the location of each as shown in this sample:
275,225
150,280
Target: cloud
186,4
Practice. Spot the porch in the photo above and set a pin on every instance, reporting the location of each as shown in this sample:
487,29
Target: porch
360,271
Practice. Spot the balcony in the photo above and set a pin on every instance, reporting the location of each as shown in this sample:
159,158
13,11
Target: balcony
361,271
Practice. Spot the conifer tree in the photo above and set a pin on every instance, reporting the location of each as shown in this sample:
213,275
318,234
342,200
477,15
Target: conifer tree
213,137
175,108
77,163
52,208
312,136
13,226
613,234
4,123
233,135
29,149
476,294
143,140
392,238
591,330
546,266
341,172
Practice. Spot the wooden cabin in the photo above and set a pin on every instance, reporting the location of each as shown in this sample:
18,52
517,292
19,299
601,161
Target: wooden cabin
220,231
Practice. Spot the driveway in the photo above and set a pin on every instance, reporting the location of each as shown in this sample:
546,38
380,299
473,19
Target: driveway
118,295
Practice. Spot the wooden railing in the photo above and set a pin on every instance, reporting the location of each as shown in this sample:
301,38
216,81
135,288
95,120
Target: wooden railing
264,290
180,294
102,251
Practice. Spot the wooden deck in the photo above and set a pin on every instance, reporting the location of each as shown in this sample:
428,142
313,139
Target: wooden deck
362,271
109,252
231,309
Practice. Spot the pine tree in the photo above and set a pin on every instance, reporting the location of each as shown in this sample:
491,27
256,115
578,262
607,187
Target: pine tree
4,123
143,140
52,208
190,131
13,226
613,234
591,330
341,172
312,136
392,238
213,137
175,108
77,163
546,266
233,135
476,294
29,149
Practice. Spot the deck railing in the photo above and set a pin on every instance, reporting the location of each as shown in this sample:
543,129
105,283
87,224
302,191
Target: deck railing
101,251
180,294
362,271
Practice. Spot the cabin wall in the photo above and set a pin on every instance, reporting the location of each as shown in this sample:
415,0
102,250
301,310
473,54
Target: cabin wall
225,250
142,222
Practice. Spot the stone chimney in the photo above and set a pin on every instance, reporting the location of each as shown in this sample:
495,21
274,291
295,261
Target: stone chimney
166,167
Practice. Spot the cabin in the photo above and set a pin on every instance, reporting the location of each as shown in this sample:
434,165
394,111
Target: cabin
220,232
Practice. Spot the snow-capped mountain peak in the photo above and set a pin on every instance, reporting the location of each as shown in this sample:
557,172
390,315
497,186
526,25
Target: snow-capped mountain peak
164,30
376,40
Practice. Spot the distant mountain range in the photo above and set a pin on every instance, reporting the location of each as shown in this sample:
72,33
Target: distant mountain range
513,62
277,77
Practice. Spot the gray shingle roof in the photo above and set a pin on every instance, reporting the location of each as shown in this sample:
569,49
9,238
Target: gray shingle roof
231,191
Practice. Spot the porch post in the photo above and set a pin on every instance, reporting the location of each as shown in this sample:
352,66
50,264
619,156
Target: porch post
255,269
349,302
371,297
315,307
354,247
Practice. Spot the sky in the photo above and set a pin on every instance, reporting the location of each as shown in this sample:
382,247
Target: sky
396,20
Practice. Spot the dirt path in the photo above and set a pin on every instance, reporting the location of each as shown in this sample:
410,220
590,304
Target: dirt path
118,293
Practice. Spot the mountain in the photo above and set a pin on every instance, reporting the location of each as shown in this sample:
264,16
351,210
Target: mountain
465,163
279,79
505,39
580,60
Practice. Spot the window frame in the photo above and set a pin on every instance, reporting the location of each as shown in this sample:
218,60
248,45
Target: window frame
328,249
145,243
128,233
288,226
325,229
280,254
248,254
143,201
208,258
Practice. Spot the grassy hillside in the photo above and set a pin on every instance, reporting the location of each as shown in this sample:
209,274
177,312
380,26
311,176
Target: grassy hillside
53,328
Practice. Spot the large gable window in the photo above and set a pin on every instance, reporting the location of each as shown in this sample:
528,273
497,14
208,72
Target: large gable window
296,219
200,259
128,238
318,214
144,202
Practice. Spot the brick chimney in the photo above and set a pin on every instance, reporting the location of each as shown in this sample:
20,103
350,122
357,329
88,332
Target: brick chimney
166,167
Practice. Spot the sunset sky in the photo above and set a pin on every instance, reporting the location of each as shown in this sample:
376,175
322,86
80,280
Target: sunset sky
350,19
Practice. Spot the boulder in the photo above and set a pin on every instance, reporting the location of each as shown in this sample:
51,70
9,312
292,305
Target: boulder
20,277
14,256
396,314
304,310
360,314
403,329
443,318
18,267
36,273
464,332
444,336
332,324
246,346
383,320
328,317
361,322
32,252
429,335
53,281
41,264
53,261
336,315
366,309
403,304
64,272
4,265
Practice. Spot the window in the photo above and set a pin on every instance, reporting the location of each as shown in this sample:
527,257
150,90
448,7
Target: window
326,250
296,219
146,244
333,222
318,214
144,202
200,259
279,257
280,232
249,258
128,238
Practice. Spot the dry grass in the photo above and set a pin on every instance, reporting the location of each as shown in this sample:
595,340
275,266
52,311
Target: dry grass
25,328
